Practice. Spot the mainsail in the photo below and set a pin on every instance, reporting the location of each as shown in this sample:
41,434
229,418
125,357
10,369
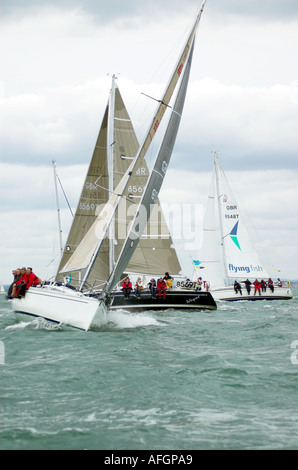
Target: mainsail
96,189
239,258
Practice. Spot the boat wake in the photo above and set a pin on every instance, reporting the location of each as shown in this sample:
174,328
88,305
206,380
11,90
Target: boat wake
120,319
36,324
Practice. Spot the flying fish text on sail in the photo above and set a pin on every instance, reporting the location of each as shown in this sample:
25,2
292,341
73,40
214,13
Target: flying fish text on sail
247,269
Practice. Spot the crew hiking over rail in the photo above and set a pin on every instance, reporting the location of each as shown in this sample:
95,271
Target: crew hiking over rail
23,279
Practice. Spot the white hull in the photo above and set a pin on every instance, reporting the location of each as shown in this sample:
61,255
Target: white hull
227,293
62,305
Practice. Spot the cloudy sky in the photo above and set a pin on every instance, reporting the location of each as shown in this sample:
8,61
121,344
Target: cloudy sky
57,58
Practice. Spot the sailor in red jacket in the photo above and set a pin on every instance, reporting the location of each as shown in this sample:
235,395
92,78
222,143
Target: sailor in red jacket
17,288
257,285
161,288
33,280
126,287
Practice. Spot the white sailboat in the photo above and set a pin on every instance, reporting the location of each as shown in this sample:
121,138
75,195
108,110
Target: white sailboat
228,254
2,290
95,255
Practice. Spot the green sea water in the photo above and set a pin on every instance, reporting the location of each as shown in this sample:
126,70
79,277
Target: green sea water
225,379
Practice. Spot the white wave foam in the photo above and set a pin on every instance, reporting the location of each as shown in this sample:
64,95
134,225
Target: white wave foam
130,320
37,323
17,326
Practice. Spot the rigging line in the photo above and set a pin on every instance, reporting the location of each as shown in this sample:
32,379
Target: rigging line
159,101
116,194
64,195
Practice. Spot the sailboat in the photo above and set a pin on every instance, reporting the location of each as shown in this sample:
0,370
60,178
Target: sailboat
2,290
228,254
97,254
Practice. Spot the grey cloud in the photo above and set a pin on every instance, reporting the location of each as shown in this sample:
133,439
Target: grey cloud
113,9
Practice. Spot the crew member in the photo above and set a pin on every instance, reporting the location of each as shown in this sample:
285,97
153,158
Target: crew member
257,285
168,280
161,288
152,288
18,288
127,287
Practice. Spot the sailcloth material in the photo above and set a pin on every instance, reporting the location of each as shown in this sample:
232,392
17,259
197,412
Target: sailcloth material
95,236
96,190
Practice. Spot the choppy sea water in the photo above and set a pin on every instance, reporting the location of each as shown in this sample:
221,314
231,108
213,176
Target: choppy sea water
225,379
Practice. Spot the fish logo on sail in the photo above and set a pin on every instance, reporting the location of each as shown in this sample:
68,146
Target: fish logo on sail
233,235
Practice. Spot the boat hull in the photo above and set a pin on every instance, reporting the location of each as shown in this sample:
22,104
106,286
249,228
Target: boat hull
62,305
177,299
227,293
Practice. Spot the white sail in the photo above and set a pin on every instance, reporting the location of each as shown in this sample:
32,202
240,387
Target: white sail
240,256
227,251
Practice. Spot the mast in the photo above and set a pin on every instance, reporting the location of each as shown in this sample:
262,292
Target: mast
58,206
110,160
220,216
